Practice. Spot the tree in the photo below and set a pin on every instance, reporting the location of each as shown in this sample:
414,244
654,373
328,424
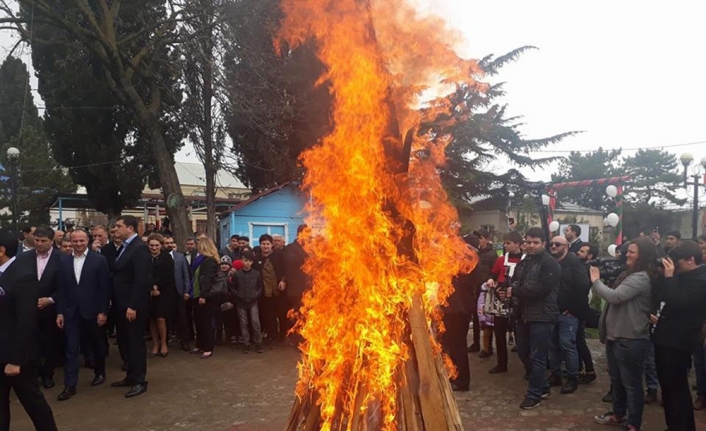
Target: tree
40,178
129,43
653,177
203,113
587,166
276,109
482,133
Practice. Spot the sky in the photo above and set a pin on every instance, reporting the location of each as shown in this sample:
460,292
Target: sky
626,73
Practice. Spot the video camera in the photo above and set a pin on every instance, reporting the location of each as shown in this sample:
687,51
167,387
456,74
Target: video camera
610,268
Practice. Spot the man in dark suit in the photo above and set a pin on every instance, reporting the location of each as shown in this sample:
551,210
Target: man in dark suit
182,280
18,324
40,268
132,284
82,308
190,254
572,234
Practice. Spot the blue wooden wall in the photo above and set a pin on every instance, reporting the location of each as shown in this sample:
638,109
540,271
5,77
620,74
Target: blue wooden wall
279,212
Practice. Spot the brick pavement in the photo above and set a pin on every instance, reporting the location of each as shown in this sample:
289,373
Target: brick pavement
236,392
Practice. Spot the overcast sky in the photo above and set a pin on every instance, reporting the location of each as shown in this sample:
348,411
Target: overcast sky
628,73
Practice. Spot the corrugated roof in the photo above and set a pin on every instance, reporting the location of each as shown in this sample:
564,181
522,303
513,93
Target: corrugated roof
254,198
194,174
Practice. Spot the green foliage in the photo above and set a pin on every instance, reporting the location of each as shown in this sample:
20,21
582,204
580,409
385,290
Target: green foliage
275,109
654,176
39,178
589,166
90,127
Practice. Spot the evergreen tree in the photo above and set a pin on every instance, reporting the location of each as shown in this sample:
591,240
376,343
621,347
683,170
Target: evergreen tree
654,177
39,177
587,166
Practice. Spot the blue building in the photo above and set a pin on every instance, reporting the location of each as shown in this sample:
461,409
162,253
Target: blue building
278,210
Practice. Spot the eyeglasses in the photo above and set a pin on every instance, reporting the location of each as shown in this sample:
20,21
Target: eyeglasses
556,244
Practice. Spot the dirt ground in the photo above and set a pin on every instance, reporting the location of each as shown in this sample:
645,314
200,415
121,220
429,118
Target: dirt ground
237,392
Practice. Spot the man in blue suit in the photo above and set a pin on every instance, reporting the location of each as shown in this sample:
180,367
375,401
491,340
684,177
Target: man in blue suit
82,308
182,281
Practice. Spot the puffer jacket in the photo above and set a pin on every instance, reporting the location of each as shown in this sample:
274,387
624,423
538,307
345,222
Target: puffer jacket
536,283
246,286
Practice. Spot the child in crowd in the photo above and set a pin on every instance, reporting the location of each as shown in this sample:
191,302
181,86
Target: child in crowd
486,323
247,288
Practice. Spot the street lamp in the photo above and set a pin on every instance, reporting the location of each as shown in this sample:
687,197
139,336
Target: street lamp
13,156
686,160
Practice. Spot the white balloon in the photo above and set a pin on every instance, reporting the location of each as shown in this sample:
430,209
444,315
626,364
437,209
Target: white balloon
554,226
611,191
611,249
546,199
613,219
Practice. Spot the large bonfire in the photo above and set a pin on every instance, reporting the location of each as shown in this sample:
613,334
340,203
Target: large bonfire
390,247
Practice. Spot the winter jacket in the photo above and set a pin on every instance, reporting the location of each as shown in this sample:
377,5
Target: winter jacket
574,288
277,261
684,311
461,301
536,284
246,286
626,314
208,275
296,279
486,261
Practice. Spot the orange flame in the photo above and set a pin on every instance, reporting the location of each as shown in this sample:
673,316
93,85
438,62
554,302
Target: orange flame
380,56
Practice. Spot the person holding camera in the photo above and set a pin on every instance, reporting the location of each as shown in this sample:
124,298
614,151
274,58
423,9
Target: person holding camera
536,284
677,330
624,328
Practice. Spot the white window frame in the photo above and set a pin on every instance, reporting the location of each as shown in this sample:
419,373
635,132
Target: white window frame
252,224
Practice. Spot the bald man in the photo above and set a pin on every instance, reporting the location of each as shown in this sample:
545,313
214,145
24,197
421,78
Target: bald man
573,307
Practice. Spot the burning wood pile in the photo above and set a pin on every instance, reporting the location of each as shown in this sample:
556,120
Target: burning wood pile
390,248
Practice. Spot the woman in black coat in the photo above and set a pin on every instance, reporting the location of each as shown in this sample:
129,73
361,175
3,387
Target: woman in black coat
162,294
211,287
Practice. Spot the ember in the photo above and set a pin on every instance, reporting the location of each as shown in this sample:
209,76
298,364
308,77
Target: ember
390,247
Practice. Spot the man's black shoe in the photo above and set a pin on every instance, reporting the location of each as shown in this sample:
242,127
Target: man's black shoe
555,381
651,397
475,348
497,370
608,398
485,354
529,403
67,393
570,386
136,390
458,388
546,393
587,378
124,383
48,383
99,379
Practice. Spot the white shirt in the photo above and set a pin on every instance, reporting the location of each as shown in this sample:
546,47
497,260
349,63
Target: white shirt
79,260
3,268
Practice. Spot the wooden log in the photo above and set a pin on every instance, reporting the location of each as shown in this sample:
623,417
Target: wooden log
431,399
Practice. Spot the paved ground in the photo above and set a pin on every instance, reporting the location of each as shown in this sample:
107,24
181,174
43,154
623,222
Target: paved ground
237,392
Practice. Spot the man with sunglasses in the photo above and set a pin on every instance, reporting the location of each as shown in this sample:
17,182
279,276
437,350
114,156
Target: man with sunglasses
536,283
677,329
573,306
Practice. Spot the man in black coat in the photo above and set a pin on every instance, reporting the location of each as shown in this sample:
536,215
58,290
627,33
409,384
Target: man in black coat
82,309
296,280
486,259
39,268
573,307
457,316
18,324
678,330
536,283
572,234
132,284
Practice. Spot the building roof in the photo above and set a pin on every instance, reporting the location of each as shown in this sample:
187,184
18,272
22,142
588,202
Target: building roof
256,197
194,174
500,204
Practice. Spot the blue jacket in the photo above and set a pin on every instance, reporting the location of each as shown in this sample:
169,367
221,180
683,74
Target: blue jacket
181,273
88,297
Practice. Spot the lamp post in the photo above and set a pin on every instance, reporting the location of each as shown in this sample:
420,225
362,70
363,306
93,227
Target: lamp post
686,160
13,156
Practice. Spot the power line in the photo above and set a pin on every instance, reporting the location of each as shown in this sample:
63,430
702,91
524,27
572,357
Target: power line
622,149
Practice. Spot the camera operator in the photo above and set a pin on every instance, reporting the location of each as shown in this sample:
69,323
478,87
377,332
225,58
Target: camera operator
677,332
536,284
624,328
573,305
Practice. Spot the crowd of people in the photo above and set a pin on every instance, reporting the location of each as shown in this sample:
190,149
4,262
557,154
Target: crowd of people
652,319
64,295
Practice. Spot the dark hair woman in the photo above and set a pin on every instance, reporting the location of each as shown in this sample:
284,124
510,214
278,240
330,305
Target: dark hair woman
625,329
207,292
162,293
